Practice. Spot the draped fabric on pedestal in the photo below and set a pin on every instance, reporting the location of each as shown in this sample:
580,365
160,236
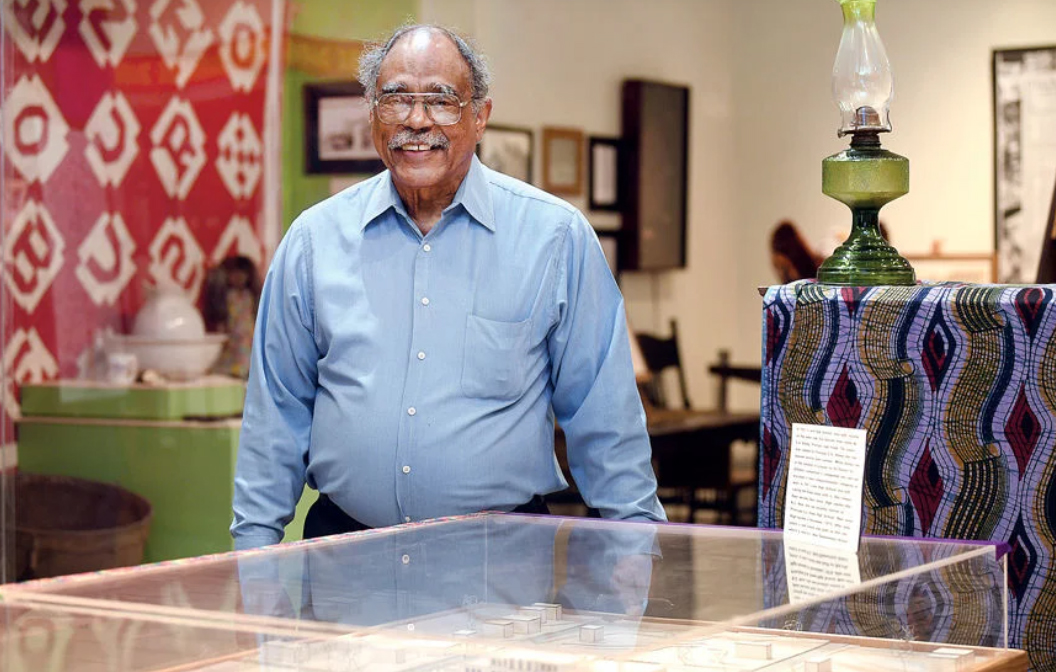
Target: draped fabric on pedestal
956,385
133,152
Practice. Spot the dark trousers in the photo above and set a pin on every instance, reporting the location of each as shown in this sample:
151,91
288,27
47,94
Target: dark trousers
326,518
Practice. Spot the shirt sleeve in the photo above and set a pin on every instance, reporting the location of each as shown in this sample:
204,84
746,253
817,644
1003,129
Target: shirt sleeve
280,397
595,397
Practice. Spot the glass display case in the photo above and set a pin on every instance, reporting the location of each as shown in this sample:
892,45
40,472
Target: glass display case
508,592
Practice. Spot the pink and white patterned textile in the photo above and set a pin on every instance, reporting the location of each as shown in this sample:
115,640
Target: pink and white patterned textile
133,136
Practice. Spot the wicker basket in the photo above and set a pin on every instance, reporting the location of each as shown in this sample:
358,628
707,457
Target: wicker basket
67,525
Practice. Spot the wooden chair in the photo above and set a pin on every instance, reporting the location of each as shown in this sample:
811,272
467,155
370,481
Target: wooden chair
661,354
692,447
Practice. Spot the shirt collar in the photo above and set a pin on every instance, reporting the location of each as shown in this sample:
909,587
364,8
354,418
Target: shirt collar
472,195
383,197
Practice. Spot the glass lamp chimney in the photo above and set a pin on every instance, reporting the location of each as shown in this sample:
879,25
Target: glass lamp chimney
862,85
865,176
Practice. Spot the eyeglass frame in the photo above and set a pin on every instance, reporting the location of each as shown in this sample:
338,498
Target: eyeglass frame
428,109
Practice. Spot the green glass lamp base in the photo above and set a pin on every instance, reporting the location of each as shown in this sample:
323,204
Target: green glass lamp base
865,178
866,259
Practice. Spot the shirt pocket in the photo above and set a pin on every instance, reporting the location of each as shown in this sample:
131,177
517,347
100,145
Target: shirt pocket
494,364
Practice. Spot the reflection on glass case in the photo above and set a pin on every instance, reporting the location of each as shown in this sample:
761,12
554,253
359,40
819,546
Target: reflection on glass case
506,592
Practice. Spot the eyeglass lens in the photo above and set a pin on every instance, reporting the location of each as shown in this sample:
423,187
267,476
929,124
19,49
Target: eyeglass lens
442,109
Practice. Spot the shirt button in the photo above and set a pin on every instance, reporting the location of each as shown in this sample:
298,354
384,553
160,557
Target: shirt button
406,559
427,247
406,519
425,300
421,355
412,410
406,469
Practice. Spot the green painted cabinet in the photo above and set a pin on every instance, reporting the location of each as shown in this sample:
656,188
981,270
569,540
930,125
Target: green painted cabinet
184,467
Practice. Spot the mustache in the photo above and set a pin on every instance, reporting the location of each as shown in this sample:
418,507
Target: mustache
433,139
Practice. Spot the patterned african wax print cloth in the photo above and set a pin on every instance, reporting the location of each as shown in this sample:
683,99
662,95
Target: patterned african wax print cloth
956,386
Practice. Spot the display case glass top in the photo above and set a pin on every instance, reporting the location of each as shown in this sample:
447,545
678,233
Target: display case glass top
499,591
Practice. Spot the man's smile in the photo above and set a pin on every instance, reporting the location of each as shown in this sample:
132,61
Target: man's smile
420,144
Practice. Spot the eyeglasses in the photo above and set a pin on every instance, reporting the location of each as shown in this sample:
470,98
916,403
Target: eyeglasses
444,109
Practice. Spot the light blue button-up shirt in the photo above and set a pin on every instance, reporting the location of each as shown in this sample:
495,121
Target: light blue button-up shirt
409,376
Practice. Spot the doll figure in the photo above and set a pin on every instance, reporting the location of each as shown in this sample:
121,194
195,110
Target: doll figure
232,291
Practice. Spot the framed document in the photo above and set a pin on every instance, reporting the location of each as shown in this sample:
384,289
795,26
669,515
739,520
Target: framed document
507,149
604,174
563,161
337,130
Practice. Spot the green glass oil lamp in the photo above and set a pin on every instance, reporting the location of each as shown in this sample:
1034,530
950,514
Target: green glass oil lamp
865,176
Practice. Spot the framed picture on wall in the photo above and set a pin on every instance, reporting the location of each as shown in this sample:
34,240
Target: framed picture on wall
1024,98
337,130
604,163
507,149
563,161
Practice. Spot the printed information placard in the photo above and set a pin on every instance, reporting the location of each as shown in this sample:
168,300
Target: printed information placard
823,500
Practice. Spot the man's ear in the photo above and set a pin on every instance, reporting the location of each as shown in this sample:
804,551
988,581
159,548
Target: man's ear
481,120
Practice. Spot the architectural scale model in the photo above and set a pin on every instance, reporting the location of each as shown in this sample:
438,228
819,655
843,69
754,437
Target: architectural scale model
545,638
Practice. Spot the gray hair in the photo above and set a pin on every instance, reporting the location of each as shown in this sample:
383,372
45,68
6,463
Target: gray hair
373,55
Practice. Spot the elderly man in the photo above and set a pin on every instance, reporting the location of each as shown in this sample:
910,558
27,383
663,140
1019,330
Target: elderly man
419,333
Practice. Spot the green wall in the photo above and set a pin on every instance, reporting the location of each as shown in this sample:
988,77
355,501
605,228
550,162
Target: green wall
351,20
299,190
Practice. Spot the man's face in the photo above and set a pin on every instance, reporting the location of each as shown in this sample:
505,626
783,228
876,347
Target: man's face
421,155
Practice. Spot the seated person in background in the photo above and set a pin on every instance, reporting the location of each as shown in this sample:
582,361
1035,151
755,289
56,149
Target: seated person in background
792,257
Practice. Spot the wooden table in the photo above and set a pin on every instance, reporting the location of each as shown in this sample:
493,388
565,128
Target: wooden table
692,448
692,451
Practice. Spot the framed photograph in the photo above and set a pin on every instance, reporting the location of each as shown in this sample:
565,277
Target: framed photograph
604,192
610,245
1024,98
507,149
971,268
337,130
563,161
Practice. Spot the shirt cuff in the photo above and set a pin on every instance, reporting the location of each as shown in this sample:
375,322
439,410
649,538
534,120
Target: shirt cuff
245,542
